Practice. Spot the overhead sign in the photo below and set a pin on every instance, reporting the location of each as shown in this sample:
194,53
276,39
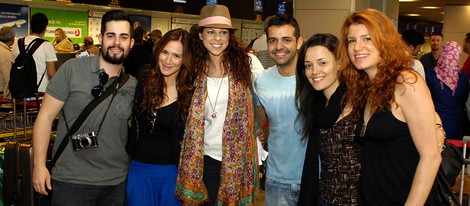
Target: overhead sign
74,23
15,16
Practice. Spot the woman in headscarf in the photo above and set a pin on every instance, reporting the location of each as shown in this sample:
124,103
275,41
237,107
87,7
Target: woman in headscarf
449,89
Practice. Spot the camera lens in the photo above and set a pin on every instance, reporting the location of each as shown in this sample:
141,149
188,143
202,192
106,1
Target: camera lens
85,142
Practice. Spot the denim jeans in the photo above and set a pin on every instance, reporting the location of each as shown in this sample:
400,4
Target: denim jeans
280,194
87,195
322,203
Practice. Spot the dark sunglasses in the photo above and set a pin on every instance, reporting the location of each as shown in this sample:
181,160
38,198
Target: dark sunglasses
98,89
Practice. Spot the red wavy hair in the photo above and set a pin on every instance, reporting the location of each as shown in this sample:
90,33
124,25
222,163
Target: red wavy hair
380,90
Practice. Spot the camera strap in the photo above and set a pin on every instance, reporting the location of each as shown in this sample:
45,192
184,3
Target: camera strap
112,89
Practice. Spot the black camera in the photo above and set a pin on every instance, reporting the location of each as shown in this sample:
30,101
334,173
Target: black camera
84,141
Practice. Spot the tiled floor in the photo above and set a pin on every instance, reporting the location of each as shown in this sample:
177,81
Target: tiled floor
466,188
261,198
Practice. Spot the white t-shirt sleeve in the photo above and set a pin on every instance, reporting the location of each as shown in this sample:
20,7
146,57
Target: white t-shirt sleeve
49,52
418,67
256,66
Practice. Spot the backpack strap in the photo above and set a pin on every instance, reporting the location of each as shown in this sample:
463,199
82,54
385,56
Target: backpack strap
32,47
21,45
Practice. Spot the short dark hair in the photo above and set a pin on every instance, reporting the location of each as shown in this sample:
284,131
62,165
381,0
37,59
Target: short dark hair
436,33
138,35
157,33
283,19
116,15
467,37
7,34
39,22
412,37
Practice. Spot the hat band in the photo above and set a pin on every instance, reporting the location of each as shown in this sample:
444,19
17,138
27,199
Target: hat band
215,20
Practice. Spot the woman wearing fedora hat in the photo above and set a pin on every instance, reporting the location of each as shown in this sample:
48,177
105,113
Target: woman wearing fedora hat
218,161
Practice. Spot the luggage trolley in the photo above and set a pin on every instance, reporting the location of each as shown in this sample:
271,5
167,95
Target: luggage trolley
466,161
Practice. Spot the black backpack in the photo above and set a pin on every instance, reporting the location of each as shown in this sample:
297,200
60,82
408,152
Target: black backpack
23,75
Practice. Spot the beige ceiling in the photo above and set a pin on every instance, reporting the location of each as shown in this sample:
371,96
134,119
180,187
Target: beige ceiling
434,15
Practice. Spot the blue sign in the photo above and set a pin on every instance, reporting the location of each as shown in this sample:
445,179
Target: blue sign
281,7
258,6
212,2
15,16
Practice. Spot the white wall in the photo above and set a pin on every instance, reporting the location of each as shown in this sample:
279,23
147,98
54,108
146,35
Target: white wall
320,16
456,25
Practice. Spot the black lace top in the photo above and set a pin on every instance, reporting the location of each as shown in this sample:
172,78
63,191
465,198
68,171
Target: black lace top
340,166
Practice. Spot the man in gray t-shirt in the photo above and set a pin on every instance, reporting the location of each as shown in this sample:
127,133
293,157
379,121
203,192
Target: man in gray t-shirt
94,176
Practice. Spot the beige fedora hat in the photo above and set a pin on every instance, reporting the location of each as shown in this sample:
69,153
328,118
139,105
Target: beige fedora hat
215,16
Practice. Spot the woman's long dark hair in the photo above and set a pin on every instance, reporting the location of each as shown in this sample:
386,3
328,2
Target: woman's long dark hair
306,97
234,58
154,88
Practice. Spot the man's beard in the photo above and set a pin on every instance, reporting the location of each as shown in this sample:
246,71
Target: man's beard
112,59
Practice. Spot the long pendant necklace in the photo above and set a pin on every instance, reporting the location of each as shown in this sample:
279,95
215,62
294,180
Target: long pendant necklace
214,113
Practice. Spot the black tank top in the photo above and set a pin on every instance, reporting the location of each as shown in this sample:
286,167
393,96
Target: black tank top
388,163
161,145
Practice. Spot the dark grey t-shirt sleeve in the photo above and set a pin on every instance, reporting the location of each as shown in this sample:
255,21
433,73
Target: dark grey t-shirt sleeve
59,85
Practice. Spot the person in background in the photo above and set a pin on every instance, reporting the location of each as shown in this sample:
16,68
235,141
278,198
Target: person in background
145,36
449,89
466,69
89,175
328,124
414,41
256,66
61,42
397,125
466,48
156,35
163,96
275,91
138,56
219,157
261,47
147,41
429,60
44,57
7,39
88,47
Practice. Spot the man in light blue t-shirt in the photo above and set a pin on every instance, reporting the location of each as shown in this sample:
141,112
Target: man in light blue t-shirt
275,90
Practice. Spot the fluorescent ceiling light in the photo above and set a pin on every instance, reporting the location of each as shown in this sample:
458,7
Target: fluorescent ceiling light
411,14
407,0
430,7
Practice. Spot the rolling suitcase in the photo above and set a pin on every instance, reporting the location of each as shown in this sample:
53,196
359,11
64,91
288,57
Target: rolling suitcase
18,167
18,174
15,174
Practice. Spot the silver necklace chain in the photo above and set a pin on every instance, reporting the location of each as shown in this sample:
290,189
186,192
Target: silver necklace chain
214,113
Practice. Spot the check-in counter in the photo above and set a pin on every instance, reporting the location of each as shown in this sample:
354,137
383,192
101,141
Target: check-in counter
63,57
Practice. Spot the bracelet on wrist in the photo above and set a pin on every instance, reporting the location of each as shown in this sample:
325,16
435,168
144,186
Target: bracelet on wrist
441,128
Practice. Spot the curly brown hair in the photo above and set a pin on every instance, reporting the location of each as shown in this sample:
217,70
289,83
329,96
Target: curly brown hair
379,91
154,83
234,58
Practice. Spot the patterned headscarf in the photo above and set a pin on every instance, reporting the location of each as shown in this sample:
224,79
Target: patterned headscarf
447,68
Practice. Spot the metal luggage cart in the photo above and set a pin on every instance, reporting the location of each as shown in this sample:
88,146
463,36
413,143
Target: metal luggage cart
466,161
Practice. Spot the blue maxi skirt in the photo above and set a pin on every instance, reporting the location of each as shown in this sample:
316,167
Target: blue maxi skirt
151,185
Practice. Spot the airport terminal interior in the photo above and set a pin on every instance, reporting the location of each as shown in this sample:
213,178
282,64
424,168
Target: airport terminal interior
81,18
